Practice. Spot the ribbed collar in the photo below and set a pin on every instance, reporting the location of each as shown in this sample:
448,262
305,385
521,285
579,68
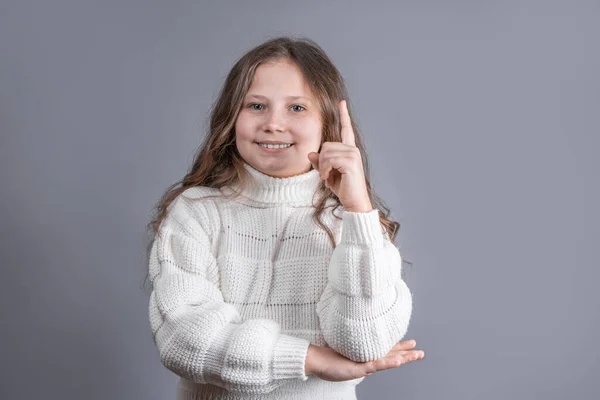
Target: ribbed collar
294,190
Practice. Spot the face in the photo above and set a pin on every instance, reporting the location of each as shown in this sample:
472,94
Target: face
279,107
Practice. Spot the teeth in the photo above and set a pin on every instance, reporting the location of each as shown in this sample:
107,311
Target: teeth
275,146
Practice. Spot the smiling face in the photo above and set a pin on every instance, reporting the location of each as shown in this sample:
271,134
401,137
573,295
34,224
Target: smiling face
279,107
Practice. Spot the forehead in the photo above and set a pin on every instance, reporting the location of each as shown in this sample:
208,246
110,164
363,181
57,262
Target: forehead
280,78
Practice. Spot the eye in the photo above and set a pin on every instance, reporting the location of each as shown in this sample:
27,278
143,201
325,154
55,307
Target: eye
251,105
296,105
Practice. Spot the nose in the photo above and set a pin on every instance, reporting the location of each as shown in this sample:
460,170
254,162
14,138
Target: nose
274,122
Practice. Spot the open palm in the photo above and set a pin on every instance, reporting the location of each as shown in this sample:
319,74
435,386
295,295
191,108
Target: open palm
332,366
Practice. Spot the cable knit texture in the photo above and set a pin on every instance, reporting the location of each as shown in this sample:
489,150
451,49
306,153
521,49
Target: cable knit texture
241,287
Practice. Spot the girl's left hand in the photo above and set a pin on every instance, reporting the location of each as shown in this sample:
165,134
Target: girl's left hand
340,164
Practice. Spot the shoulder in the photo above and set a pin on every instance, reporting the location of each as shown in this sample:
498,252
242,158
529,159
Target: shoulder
193,210
200,192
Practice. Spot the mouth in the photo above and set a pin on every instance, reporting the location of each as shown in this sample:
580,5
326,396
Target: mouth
275,148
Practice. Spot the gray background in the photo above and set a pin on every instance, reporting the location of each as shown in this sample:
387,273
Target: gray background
481,121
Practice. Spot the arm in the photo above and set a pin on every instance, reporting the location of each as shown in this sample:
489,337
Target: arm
198,335
366,307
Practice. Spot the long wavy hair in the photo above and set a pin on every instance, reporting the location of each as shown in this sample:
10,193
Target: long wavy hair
218,163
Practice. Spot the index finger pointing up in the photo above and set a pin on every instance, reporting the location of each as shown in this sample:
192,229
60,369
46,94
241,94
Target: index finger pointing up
347,132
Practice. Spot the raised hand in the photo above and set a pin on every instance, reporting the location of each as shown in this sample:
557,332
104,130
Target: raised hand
340,165
329,365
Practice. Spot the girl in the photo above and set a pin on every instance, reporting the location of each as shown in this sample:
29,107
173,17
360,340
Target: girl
271,274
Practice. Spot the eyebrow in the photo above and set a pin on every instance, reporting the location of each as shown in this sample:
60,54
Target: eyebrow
258,96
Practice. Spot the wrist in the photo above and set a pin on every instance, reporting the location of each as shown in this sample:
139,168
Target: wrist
361,206
310,358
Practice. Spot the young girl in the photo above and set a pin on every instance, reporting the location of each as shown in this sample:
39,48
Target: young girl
273,275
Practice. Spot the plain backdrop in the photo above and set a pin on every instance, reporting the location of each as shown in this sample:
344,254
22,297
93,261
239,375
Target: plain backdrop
482,124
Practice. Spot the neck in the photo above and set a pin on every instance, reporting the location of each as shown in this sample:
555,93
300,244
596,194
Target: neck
296,190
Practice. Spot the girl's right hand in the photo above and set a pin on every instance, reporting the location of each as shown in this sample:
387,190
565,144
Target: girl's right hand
329,365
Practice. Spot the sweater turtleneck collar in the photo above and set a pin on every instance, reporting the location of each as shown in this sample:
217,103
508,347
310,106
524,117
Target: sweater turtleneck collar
294,190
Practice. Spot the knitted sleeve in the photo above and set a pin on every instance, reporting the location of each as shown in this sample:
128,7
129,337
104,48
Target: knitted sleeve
366,307
198,335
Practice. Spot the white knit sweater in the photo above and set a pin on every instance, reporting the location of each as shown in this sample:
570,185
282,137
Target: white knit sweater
241,287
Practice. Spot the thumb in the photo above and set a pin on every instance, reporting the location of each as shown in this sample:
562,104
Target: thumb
313,157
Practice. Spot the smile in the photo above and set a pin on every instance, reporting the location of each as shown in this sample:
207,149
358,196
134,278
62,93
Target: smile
275,148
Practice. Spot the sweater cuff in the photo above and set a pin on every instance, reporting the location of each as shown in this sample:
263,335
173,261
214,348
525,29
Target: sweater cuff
289,357
363,228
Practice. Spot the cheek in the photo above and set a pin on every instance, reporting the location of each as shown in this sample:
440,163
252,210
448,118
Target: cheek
315,130
309,130
243,129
